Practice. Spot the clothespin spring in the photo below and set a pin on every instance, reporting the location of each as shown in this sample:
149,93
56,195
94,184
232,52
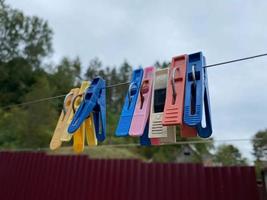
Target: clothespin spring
65,102
74,100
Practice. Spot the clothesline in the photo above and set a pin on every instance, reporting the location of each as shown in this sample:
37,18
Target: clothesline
126,83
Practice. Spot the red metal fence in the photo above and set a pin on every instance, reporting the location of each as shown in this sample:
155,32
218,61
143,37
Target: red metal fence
40,176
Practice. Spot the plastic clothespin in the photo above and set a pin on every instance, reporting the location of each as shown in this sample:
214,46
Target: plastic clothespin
65,136
66,114
174,104
197,95
79,134
87,128
145,140
142,108
167,134
90,131
94,101
129,104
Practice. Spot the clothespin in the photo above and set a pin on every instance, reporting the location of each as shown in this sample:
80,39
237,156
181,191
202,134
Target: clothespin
63,121
86,127
145,140
94,101
129,104
142,108
65,136
197,95
167,134
90,131
174,103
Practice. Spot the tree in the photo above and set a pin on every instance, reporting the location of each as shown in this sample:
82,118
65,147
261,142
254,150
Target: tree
229,155
23,36
24,42
162,65
31,126
93,68
260,145
66,75
15,83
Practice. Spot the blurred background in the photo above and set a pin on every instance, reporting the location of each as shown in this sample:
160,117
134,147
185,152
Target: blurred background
48,47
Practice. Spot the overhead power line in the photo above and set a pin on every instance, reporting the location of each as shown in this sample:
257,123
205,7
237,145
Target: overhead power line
126,83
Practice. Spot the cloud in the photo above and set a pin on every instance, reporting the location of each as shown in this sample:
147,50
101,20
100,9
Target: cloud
145,31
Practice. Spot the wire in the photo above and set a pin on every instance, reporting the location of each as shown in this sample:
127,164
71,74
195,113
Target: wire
188,142
126,83
236,60
117,85
35,101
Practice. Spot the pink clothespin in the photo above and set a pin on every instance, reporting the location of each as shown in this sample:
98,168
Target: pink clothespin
142,108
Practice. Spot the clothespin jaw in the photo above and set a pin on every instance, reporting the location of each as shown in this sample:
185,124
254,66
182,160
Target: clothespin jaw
156,129
65,116
142,108
196,95
206,132
89,102
129,103
99,113
90,131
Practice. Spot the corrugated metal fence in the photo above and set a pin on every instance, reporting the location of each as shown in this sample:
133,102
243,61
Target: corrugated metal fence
40,176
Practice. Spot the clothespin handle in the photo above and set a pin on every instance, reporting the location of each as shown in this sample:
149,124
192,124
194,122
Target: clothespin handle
100,114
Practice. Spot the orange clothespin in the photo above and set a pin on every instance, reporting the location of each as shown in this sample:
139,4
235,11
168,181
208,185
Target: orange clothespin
64,120
174,104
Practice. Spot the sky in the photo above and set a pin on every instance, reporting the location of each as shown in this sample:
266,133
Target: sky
143,32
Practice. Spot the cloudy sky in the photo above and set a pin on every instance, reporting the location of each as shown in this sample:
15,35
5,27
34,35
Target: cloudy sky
145,31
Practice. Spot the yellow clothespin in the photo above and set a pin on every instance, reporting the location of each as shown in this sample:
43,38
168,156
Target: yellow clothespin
87,126
90,131
62,123
65,136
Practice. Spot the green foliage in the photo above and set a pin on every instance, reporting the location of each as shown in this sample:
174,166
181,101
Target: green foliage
260,145
17,76
24,42
31,126
162,65
229,155
23,36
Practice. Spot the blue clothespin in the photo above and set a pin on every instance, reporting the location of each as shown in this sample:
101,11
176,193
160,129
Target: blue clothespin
94,101
144,139
129,103
197,95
